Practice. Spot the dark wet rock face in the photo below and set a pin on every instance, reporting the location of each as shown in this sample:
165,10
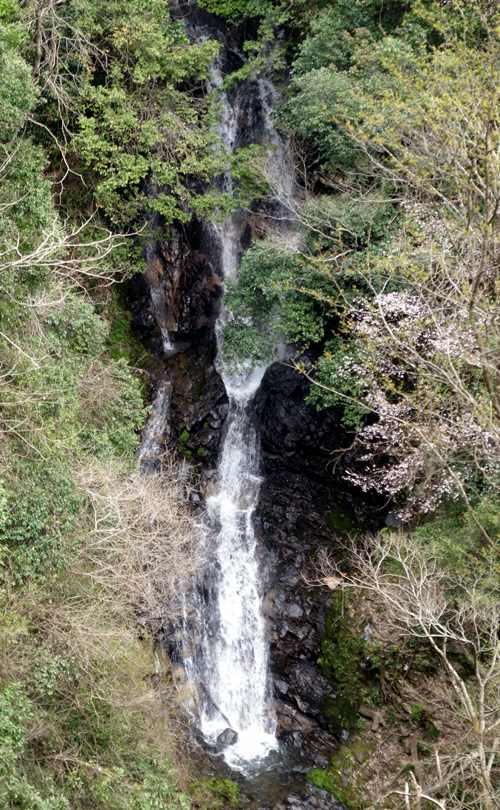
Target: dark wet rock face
179,293
291,429
174,306
299,493
312,799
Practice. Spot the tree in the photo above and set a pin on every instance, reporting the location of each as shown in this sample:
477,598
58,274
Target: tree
454,616
399,258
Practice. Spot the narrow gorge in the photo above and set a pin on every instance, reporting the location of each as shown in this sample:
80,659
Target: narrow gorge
252,627
249,405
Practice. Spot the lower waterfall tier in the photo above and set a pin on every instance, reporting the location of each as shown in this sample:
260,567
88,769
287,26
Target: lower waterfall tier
229,667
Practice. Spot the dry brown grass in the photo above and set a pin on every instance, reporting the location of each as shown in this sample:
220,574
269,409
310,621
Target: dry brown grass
136,543
143,541
136,547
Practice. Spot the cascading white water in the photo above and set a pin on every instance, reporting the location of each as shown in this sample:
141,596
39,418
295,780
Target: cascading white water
236,656
159,306
228,664
234,646
156,428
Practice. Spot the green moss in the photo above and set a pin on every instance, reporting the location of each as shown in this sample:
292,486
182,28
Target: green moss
335,781
341,522
423,718
215,794
341,661
417,712
340,778
121,342
184,436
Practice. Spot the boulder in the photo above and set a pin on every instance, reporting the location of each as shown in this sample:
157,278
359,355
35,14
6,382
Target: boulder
312,799
226,738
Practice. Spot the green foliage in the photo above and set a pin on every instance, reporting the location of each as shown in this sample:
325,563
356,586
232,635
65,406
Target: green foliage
349,56
150,785
17,93
114,423
155,790
332,37
149,58
27,209
339,370
236,9
311,114
276,298
282,296
351,222
244,342
65,402
332,64
16,791
215,793
41,507
457,538
115,91
247,172
78,327
121,342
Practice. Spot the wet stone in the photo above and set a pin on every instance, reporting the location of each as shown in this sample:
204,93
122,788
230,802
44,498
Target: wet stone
226,737
294,611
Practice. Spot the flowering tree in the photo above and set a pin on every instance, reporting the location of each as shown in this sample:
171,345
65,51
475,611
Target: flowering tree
423,336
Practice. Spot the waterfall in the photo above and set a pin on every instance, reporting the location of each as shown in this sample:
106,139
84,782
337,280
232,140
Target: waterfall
235,648
156,429
226,648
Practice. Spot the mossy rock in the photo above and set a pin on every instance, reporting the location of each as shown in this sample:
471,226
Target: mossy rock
121,342
339,521
340,778
184,436
337,783
341,660
215,794
422,717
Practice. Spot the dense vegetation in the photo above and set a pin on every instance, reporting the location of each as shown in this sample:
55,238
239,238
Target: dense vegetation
389,298
101,122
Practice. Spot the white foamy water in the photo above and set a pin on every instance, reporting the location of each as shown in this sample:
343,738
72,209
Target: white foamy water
236,657
156,428
160,308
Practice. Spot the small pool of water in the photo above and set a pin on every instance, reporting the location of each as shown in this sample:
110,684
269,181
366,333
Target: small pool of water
266,782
